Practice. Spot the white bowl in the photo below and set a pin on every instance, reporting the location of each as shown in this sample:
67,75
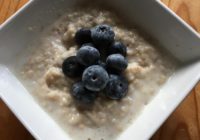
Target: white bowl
151,15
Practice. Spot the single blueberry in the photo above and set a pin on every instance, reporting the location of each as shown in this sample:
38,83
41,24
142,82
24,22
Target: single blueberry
118,47
88,55
117,87
116,63
95,78
71,67
83,36
81,94
102,35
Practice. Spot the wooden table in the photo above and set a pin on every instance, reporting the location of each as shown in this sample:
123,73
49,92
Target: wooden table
183,124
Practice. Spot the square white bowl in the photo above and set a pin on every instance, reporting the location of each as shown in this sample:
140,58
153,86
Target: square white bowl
151,15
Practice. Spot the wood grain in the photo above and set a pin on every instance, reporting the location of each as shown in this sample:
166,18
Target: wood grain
10,127
183,124
9,7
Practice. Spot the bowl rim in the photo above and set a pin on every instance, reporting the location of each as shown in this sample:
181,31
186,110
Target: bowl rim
161,4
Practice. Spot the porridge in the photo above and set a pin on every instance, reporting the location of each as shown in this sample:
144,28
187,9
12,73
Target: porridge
148,69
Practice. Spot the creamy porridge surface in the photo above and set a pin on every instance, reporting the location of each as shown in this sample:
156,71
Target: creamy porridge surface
147,71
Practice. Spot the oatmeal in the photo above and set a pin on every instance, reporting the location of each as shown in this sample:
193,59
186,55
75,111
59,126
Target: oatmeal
148,69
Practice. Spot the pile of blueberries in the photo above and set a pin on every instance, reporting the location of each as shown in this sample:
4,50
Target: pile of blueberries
98,64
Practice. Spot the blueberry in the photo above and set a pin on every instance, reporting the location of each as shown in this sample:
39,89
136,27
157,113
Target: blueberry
71,67
88,44
95,78
83,36
88,55
119,48
81,94
117,87
116,63
102,35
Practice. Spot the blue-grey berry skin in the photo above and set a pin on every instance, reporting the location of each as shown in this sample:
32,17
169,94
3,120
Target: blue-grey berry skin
88,44
118,48
88,55
82,95
71,67
102,35
83,36
116,63
117,87
95,78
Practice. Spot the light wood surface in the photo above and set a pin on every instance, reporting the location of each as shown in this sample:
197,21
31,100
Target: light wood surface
183,124
9,7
